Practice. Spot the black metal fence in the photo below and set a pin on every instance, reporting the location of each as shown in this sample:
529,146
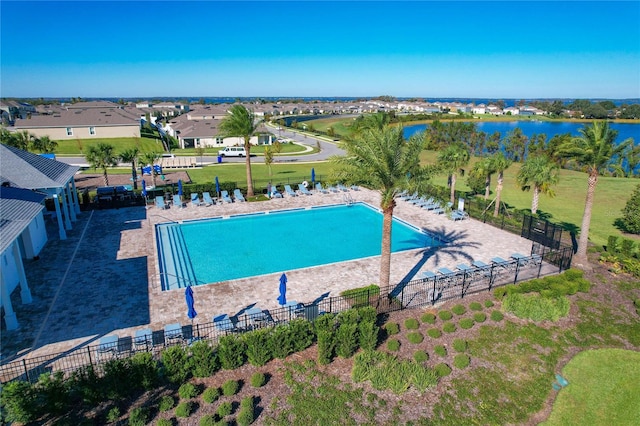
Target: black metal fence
405,295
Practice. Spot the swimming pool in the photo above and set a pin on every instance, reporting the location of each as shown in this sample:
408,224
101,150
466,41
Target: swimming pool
221,249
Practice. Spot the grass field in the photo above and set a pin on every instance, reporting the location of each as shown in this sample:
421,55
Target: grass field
78,146
602,390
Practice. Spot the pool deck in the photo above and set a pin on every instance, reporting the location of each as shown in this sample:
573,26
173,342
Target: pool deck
103,279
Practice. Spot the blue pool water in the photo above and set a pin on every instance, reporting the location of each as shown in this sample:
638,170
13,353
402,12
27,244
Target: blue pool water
214,250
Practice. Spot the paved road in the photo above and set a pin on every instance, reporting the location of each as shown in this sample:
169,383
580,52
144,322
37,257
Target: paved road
327,149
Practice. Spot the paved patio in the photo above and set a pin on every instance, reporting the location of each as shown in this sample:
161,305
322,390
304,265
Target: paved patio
104,278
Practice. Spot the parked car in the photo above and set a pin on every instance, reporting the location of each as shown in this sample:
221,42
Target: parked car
233,151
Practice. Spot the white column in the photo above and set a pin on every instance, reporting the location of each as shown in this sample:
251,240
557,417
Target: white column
56,203
65,209
10,318
76,201
25,292
72,209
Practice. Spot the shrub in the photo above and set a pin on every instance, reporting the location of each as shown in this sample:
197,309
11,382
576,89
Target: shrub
117,380
415,337
420,356
210,395
230,387
166,403
326,346
385,371
257,347
442,370
412,324
174,362
113,414
613,244
138,416
573,274
183,409
428,318
440,350
466,323
496,316
479,317
224,409
459,310
164,422
302,334
393,345
231,351
144,370
475,306
53,391
460,345
392,328
281,342
434,333
368,333
445,315
535,307
461,361
258,379
488,303
204,361
188,391
246,415
346,338
630,218
208,420
449,327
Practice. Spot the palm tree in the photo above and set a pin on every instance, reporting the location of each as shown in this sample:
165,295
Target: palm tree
382,160
452,159
101,156
500,163
22,140
484,168
241,123
592,151
44,144
131,156
541,173
150,158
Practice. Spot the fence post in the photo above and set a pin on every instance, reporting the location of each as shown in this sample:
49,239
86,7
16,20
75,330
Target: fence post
493,265
464,280
515,278
26,371
89,352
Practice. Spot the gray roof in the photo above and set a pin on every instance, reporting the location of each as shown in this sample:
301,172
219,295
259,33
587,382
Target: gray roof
18,207
96,117
24,169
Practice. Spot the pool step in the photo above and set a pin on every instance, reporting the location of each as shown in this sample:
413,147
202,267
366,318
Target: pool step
176,270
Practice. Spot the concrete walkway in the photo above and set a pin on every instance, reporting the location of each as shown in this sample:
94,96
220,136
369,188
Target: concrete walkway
104,278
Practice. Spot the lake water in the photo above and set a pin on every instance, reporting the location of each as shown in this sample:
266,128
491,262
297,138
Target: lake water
530,128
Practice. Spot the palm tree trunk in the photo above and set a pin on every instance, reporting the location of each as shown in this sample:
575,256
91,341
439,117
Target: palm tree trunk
453,188
134,176
496,210
583,242
536,199
487,187
247,147
105,177
385,256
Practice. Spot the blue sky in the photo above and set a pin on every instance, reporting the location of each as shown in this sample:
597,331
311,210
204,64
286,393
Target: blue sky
505,49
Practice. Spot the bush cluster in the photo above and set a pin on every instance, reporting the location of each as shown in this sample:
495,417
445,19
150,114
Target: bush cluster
246,416
415,337
258,379
440,350
442,370
230,387
460,345
183,410
360,297
535,307
211,395
445,315
166,403
385,371
479,317
428,318
459,310
461,361
567,283
411,324
476,306
434,333
623,255
188,391
392,328
466,323
496,316
488,303
449,327
420,356
393,345
224,409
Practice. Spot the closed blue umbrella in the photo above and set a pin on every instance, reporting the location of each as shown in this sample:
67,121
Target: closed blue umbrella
313,176
282,299
144,189
217,186
188,294
179,186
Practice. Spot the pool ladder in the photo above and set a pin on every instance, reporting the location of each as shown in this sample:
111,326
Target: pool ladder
348,199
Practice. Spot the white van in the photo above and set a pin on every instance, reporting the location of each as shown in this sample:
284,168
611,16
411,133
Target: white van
233,151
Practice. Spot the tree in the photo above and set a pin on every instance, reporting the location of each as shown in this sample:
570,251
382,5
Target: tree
241,123
515,144
268,158
22,140
381,160
149,159
540,173
592,151
131,156
44,144
102,156
8,138
500,163
484,169
631,213
452,159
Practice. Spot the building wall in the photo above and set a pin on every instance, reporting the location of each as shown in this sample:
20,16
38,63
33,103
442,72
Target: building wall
83,132
34,237
9,270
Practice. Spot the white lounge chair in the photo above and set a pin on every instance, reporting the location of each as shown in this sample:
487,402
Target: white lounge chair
225,196
160,202
321,189
195,200
303,190
177,201
290,192
206,199
238,195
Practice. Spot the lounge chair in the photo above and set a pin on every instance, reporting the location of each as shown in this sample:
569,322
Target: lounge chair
225,196
108,345
321,189
160,202
406,196
438,210
445,271
333,189
498,261
433,205
290,192
238,195
177,201
195,200
428,275
206,199
342,188
143,338
465,268
458,215
355,187
223,323
172,332
303,190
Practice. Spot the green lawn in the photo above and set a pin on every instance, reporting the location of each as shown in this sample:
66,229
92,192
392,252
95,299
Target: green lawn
602,390
78,146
